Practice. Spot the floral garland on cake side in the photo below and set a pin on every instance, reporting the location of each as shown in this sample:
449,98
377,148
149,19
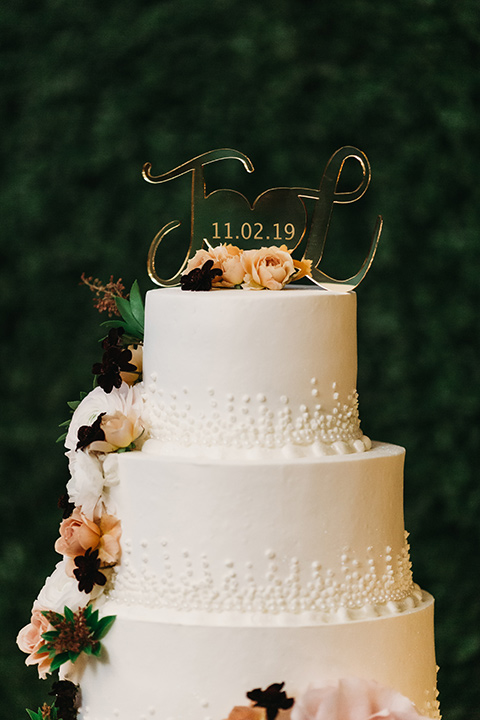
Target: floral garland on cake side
65,620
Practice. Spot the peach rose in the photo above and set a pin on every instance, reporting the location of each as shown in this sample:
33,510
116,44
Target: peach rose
269,268
77,534
109,549
244,712
29,640
120,432
137,359
126,400
226,258
198,260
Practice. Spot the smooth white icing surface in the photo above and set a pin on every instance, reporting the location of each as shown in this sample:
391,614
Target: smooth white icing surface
242,369
319,536
180,672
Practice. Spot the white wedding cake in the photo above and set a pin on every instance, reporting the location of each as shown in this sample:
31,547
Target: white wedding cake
233,546
262,532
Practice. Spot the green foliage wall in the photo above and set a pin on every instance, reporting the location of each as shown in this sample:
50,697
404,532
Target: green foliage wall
89,91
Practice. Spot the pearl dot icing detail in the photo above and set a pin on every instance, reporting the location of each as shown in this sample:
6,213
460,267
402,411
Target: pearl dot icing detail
259,421
271,587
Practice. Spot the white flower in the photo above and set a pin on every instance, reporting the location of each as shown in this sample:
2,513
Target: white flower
85,488
60,591
126,400
110,470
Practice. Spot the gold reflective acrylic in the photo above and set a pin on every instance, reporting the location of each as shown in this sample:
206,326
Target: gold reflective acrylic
277,217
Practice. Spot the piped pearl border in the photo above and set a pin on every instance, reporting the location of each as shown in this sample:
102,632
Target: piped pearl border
248,422
190,582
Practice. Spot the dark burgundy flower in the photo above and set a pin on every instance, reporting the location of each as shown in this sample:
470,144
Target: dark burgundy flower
115,360
273,699
65,693
113,339
87,571
200,278
89,433
65,506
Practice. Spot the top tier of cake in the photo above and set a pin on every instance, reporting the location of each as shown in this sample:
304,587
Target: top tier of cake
231,370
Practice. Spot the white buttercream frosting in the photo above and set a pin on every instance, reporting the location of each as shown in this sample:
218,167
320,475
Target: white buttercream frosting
261,370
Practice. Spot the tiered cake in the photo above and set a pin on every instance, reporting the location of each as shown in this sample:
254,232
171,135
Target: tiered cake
262,532
229,532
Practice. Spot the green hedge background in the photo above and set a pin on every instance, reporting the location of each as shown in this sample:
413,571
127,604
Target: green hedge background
89,91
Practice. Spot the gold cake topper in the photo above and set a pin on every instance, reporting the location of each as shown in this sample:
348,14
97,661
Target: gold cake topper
277,217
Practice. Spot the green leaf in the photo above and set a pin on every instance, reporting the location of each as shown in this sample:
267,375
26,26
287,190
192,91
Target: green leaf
68,614
58,660
72,404
91,617
136,304
132,312
35,715
104,626
50,635
125,310
73,656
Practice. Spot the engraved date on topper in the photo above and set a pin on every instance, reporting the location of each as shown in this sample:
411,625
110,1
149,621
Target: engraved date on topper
277,217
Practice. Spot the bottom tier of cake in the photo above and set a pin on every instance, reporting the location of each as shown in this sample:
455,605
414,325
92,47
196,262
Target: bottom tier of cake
158,666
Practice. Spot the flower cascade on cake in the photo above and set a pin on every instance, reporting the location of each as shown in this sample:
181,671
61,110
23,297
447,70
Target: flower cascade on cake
65,618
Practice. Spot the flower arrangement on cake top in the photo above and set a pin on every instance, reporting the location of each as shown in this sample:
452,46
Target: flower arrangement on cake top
64,621
227,266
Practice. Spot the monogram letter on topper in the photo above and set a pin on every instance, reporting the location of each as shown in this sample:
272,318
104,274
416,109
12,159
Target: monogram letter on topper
277,217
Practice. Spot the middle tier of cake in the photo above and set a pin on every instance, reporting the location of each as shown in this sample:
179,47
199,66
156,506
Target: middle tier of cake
322,536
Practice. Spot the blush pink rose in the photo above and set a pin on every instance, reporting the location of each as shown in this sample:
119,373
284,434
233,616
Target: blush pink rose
354,699
77,535
270,268
29,640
